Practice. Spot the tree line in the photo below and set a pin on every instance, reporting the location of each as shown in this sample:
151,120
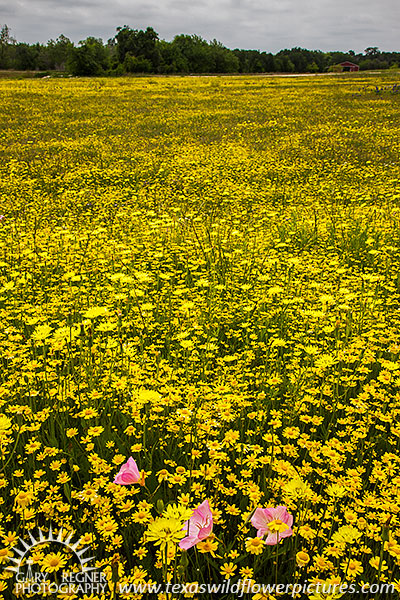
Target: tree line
142,51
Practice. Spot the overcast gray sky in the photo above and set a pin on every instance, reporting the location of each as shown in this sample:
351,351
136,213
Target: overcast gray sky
263,24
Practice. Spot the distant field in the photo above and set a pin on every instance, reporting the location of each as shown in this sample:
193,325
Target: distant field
390,73
9,74
202,274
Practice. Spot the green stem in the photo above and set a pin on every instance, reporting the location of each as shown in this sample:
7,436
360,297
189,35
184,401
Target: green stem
11,453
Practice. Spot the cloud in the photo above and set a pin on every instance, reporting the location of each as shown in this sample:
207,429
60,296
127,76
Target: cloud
264,24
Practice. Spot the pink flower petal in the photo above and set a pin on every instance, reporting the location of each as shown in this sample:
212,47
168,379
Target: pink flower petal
271,539
199,526
129,473
188,542
259,520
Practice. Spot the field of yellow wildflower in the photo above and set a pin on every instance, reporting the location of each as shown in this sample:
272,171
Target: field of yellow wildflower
200,335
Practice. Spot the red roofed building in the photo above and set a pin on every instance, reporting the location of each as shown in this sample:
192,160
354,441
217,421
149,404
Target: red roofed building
348,66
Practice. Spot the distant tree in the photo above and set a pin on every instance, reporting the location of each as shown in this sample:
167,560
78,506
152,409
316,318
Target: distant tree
296,57
125,41
132,64
284,63
113,54
372,52
147,46
312,67
141,51
196,51
138,43
44,59
370,64
254,61
60,51
222,59
334,58
89,58
268,62
171,58
25,56
53,56
5,41
303,60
